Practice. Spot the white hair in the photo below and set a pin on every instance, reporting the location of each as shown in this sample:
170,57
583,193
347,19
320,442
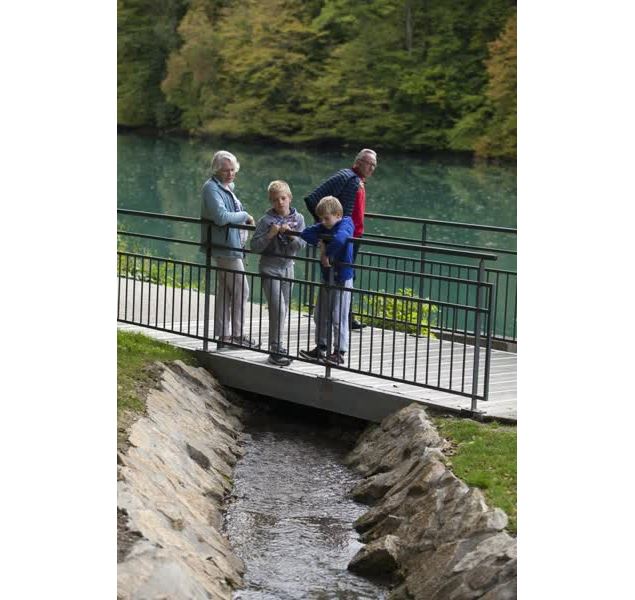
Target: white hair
219,157
364,152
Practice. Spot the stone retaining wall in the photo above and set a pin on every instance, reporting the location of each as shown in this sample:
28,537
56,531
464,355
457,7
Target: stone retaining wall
427,530
172,482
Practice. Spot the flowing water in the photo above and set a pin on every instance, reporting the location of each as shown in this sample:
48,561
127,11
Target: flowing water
290,519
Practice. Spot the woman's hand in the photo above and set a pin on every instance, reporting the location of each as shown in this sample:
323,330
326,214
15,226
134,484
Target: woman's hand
249,220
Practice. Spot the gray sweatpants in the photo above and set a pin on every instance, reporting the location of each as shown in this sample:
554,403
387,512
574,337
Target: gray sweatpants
232,293
278,294
339,301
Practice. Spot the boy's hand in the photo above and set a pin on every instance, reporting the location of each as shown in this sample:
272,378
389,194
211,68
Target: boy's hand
326,263
284,228
273,231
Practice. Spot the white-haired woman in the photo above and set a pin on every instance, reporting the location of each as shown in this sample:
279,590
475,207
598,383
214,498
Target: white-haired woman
221,206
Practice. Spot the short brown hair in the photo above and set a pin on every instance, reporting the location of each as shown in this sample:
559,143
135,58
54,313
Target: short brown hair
329,205
279,186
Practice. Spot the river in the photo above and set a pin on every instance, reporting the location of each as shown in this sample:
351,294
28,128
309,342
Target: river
290,518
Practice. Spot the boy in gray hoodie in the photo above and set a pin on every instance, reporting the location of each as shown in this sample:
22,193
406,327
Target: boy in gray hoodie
277,250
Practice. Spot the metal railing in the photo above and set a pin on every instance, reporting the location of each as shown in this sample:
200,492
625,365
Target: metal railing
432,232
423,328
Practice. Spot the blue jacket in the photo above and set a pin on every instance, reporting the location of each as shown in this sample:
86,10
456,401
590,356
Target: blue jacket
338,249
343,185
218,206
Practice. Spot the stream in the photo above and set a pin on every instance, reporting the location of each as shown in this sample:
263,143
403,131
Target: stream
289,518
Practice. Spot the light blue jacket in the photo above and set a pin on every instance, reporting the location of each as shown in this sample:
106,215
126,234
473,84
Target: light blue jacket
218,207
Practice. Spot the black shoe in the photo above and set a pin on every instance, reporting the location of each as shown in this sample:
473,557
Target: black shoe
279,359
336,358
317,353
355,324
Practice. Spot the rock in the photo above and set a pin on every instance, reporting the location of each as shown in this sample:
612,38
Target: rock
379,558
406,433
425,523
174,477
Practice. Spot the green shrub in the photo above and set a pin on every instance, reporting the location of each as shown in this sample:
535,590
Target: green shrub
403,311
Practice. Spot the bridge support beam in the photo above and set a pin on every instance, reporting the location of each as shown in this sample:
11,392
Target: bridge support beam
316,391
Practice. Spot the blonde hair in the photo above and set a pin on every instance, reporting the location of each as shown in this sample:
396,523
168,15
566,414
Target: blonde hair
279,186
329,205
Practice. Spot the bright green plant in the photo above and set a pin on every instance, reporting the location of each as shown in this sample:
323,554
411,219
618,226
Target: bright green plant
403,311
149,269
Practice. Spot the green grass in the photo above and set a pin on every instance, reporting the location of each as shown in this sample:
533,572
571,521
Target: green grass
136,354
485,457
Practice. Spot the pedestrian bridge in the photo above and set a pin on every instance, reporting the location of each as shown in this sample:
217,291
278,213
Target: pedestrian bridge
431,334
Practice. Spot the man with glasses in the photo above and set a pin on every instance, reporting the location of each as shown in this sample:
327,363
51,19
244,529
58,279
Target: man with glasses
347,185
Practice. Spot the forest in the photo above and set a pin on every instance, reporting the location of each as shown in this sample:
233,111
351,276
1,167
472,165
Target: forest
401,75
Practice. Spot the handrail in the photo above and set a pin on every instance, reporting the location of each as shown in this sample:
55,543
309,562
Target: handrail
420,221
128,211
484,284
151,215
428,257
308,260
369,242
440,243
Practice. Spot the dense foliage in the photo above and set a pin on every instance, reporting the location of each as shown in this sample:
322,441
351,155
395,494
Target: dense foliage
399,74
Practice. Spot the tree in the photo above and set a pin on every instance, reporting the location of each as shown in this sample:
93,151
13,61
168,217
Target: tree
146,33
500,137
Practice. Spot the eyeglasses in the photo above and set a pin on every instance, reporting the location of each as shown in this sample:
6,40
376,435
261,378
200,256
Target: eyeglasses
369,162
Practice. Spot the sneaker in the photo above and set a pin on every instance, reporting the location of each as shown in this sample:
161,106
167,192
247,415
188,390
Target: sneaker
246,341
355,324
279,359
336,358
317,353
276,349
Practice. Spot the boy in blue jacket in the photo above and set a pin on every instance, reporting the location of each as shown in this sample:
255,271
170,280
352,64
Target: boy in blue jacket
333,255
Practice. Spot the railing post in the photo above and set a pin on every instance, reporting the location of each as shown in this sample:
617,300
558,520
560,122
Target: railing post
208,269
312,252
329,317
488,345
424,237
477,333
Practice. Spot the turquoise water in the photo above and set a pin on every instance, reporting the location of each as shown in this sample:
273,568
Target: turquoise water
165,175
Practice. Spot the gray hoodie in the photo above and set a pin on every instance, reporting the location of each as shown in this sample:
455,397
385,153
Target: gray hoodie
285,245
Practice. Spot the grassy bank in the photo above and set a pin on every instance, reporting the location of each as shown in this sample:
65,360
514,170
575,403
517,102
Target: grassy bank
136,374
484,456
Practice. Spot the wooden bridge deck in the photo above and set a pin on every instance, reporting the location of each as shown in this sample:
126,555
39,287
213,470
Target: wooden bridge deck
360,394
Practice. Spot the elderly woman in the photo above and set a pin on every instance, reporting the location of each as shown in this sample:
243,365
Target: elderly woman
222,207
